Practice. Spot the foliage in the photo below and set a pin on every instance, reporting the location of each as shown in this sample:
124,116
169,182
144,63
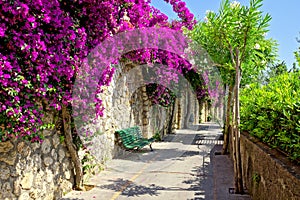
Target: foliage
297,53
197,83
43,43
236,27
157,136
271,71
235,40
256,178
272,112
159,94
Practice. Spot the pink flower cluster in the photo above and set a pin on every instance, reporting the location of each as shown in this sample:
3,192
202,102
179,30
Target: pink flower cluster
43,43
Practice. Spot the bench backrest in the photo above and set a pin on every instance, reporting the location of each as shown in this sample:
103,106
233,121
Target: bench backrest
126,138
130,135
135,131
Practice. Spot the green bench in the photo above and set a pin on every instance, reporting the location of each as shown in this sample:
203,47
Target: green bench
132,138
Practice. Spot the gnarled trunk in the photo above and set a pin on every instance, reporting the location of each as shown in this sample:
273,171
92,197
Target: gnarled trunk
72,149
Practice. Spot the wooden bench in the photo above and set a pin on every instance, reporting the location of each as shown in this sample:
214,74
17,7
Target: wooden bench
132,138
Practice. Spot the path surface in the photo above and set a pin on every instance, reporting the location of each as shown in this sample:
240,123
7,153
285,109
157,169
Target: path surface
183,166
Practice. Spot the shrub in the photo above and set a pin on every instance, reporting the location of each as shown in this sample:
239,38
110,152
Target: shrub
272,112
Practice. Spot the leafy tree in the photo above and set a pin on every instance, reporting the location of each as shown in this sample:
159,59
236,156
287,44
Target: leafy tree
235,39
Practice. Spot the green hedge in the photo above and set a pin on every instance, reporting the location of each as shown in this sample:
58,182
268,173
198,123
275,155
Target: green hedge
272,112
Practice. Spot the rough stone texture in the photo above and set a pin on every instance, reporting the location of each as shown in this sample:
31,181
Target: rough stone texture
267,173
126,104
6,147
45,171
33,171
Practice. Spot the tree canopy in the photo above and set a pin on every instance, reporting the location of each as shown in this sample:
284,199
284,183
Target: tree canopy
237,27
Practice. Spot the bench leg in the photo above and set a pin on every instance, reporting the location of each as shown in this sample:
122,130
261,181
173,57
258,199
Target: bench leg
151,147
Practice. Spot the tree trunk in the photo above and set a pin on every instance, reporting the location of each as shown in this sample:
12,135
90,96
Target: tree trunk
172,116
238,175
227,121
72,149
188,110
234,152
224,107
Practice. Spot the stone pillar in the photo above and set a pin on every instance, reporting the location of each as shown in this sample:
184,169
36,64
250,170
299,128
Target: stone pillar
145,112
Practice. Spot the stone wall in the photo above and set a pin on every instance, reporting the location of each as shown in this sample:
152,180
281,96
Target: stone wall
126,104
34,170
45,171
267,173
187,110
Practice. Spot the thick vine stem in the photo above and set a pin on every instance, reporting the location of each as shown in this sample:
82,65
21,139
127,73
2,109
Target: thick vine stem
72,149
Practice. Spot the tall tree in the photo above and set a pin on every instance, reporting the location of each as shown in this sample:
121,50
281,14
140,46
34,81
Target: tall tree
235,40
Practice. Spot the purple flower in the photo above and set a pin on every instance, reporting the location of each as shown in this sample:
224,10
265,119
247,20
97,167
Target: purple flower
34,55
2,32
3,107
25,8
31,19
6,76
46,18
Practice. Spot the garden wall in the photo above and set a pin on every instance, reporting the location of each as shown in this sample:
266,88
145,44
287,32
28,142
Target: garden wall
45,171
34,170
267,173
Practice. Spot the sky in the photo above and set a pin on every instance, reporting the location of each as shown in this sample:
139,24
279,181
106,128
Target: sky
284,26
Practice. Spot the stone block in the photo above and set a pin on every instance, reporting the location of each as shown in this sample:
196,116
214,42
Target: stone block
4,172
35,146
49,176
27,181
67,175
47,133
54,154
6,147
37,160
35,194
7,187
9,158
24,196
65,186
17,188
55,140
46,146
23,149
48,161
55,167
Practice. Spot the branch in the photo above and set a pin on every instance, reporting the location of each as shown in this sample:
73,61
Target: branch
231,54
245,43
219,65
230,48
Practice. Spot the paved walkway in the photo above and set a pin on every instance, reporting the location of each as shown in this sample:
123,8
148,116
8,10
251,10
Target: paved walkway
181,167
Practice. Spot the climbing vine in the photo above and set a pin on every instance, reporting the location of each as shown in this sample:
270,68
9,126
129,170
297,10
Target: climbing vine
42,47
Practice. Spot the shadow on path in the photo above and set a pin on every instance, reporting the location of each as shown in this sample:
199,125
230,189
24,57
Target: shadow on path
200,181
184,166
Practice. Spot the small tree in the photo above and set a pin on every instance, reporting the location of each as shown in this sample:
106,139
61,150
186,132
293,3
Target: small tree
235,39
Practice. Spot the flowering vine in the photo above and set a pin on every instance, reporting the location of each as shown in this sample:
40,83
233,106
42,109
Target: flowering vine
43,44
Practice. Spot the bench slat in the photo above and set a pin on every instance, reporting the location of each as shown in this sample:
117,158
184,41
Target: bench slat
132,138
